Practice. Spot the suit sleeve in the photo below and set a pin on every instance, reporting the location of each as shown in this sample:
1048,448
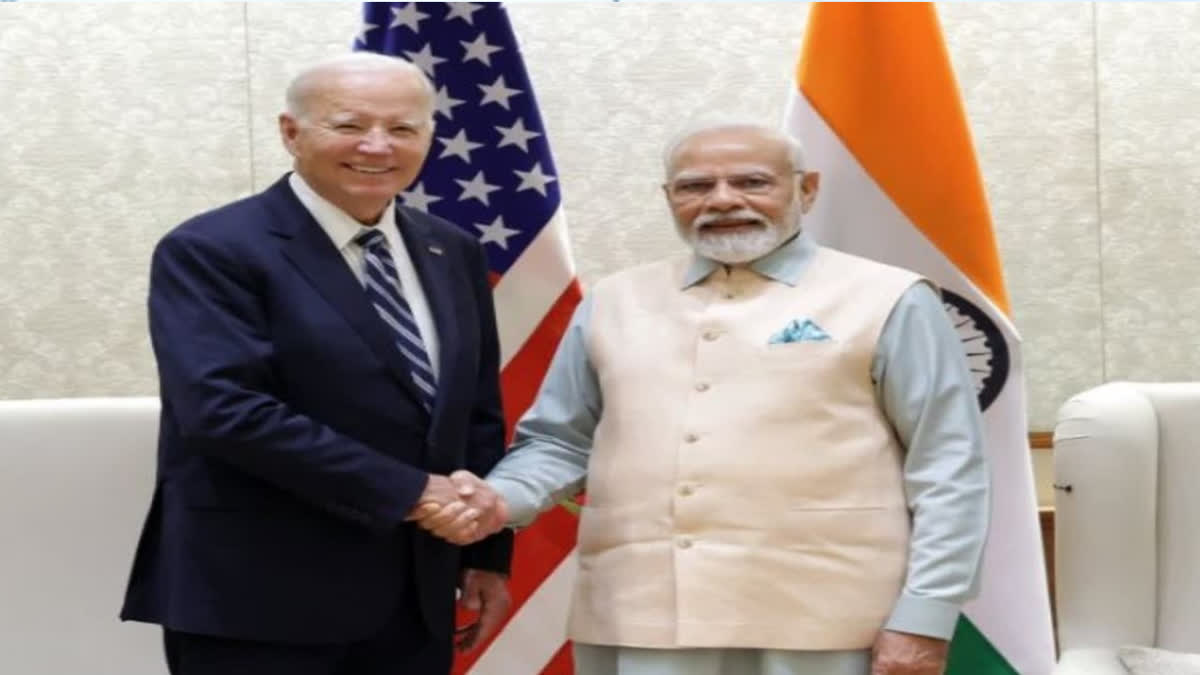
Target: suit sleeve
485,445
210,335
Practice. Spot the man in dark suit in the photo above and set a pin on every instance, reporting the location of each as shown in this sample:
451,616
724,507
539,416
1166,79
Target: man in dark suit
327,360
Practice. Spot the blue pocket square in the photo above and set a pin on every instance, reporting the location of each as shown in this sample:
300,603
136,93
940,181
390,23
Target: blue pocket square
799,330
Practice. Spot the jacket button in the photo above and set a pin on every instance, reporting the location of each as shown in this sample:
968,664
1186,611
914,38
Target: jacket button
690,438
701,386
711,335
684,542
686,490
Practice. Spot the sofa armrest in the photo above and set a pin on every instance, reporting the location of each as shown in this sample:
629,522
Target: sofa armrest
1090,661
1105,524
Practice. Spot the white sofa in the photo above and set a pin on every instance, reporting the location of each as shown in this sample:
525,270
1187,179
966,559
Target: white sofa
1127,523
75,482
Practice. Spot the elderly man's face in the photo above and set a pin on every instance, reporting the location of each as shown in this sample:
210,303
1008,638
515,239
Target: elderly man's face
362,138
733,194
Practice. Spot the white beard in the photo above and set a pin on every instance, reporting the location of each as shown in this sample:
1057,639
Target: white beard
737,247
740,247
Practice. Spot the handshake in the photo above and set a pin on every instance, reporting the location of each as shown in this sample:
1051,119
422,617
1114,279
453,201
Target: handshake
460,508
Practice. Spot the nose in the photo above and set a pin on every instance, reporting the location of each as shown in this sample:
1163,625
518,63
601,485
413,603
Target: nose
723,196
374,142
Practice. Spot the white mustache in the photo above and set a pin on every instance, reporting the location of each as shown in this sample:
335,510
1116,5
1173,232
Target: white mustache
705,219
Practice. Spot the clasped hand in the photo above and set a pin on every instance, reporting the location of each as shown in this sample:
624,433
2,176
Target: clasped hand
460,508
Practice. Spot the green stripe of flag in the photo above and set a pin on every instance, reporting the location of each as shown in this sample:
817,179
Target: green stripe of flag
972,654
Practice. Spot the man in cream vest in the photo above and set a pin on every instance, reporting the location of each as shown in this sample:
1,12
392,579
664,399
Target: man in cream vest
781,444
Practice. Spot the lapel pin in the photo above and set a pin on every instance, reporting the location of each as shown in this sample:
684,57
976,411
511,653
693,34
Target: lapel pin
436,250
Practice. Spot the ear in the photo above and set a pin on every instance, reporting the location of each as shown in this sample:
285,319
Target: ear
810,182
289,131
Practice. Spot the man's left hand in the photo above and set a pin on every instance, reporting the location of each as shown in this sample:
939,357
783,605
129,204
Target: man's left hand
898,653
487,593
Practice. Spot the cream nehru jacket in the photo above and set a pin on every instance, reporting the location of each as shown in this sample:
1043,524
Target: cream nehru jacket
742,492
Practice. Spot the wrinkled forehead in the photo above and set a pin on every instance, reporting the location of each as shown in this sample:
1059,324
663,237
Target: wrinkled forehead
730,151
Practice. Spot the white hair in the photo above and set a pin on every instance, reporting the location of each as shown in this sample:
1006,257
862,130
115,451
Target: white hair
300,88
671,149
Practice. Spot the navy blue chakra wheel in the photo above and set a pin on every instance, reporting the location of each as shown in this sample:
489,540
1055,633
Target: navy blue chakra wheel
984,345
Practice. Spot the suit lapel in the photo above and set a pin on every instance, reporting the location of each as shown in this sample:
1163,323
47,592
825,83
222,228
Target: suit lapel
311,251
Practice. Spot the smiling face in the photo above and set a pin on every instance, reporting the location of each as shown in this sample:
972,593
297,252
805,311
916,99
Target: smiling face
734,193
359,134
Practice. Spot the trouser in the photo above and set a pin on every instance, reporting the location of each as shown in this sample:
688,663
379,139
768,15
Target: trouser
608,660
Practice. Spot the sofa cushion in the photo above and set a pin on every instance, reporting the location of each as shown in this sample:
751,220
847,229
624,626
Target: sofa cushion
1151,661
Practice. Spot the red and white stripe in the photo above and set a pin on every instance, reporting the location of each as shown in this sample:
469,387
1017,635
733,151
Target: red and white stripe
534,302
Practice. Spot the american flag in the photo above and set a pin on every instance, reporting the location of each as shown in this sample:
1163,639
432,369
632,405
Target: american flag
490,172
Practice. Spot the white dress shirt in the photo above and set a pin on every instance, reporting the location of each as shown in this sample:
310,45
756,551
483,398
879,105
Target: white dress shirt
342,229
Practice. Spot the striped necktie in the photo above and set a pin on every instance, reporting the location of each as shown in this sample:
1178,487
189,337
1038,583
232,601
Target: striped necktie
382,284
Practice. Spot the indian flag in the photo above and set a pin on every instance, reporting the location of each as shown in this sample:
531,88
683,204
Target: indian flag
876,106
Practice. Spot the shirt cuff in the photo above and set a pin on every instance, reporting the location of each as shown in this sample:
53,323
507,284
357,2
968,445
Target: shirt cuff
924,616
521,508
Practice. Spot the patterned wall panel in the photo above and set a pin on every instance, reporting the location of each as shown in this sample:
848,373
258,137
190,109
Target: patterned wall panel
1150,186
118,120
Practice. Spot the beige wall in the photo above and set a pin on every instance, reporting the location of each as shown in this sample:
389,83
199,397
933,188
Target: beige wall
119,120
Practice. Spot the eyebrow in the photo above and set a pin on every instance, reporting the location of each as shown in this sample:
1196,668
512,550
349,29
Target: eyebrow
347,116
698,175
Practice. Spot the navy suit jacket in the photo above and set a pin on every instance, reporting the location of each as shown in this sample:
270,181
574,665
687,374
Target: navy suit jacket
292,441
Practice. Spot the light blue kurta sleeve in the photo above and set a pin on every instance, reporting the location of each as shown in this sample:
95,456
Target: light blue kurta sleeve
548,458
926,390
